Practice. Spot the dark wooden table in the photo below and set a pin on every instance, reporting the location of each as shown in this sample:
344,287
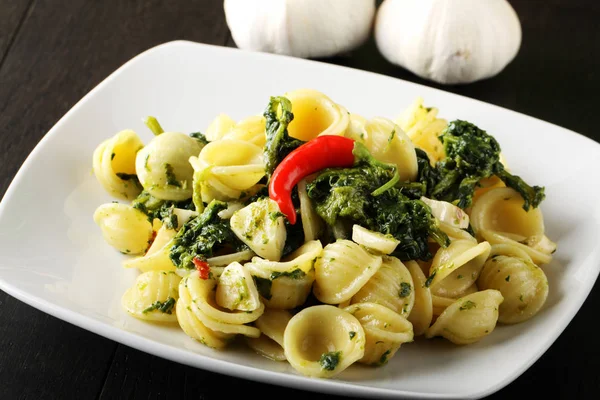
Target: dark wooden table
52,52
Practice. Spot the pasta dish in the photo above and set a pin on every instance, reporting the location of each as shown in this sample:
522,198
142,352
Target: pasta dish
322,238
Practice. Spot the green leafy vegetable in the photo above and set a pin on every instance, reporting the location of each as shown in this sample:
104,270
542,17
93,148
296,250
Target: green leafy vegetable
365,194
203,236
405,289
199,137
329,361
171,178
278,115
471,155
162,306
161,209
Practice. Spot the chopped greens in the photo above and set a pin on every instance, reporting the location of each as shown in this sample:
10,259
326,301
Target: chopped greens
160,209
153,125
329,361
204,236
162,306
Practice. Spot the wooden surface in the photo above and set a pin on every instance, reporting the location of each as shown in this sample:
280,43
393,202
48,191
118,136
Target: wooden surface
52,52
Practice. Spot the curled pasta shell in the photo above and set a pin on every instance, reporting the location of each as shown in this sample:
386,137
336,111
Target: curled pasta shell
323,340
114,164
315,114
219,126
341,271
391,286
523,285
457,267
385,331
421,314
124,227
210,314
251,130
163,168
153,296
468,319
387,142
157,258
286,284
423,127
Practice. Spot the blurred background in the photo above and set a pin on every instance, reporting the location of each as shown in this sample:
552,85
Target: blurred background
53,52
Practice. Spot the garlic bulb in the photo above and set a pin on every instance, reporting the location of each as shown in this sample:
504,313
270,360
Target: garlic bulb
448,41
300,28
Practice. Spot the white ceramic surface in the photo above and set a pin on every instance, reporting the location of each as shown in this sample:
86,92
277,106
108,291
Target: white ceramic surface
53,257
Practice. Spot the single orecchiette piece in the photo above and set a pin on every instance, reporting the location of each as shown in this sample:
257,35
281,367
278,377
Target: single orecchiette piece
153,296
440,303
225,169
387,142
498,217
423,127
447,213
323,340
194,328
286,284
272,326
523,285
421,314
219,126
124,227
391,286
251,130
163,168
114,165
385,331
236,289
376,241
205,308
456,267
157,257
468,319
315,114
342,269
261,226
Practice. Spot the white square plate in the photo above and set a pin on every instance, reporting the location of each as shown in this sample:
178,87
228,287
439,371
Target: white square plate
53,257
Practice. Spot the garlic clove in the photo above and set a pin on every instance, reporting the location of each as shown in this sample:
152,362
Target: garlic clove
307,28
448,41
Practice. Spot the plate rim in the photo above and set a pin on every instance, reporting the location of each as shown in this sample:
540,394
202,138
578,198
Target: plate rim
150,346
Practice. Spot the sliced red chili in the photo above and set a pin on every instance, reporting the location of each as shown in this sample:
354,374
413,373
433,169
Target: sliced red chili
327,151
202,267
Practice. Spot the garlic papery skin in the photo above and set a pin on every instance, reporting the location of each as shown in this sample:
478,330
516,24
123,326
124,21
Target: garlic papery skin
300,28
448,41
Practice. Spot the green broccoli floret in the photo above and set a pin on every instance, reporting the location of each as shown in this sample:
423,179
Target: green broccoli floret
278,115
471,155
203,236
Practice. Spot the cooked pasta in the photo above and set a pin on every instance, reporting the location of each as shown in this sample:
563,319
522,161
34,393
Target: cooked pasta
321,238
153,296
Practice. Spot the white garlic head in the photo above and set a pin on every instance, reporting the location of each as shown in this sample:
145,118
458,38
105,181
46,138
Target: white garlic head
448,41
300,28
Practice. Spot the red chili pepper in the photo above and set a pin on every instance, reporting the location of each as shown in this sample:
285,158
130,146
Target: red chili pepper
202,267
327,151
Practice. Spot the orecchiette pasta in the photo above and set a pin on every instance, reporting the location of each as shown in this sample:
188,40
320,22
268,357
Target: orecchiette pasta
323,340
123,227
422,312
153,296
342,269
260,225
114,164
403,228
286,284
523,285
469,318
315,114
457,267
385,331
498,217
391,286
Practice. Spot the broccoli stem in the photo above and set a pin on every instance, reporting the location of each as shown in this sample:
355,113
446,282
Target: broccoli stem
153,125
